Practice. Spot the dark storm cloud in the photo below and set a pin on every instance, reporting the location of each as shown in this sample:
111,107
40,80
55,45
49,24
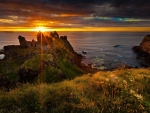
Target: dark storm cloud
77,12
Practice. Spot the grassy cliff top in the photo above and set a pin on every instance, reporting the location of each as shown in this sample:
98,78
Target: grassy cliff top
119,91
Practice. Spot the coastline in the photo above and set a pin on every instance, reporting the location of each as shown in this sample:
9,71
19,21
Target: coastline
55,80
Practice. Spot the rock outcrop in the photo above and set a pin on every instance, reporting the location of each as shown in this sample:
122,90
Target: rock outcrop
145,44
22,41
54,34
143,50
41,37
66,43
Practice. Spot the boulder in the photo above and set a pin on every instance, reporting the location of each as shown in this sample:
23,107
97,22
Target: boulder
118,46
84,52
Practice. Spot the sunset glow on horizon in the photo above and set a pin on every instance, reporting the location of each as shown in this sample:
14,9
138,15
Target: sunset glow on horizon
70,15
88,29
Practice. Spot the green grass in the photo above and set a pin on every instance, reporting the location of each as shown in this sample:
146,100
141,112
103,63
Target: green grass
10,68
35,61
11,76
70,70
106,92
3,69
50,73
66,64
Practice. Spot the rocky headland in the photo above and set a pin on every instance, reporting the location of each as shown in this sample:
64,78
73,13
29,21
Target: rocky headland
49,59
143,51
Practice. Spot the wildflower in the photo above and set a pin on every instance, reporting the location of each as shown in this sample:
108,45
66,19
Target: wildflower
125,84
132,91
131,79
138,96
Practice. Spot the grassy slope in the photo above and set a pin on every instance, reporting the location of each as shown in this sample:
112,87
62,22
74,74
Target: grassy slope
120,91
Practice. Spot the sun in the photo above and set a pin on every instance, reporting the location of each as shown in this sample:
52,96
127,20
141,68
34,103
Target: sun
41,28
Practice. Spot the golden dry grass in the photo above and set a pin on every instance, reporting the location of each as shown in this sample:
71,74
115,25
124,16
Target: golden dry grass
125,90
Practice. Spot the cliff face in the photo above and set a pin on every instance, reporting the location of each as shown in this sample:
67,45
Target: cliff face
145,44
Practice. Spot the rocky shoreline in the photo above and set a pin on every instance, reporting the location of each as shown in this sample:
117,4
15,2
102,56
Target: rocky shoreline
143,58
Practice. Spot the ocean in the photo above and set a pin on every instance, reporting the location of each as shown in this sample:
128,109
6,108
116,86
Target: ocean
99,46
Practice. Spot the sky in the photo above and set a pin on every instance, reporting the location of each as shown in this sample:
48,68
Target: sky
74,15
